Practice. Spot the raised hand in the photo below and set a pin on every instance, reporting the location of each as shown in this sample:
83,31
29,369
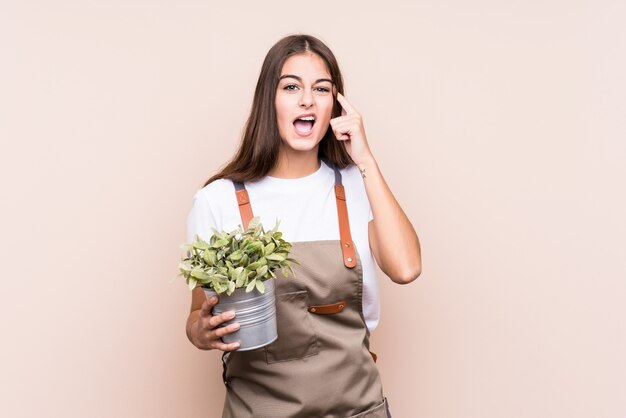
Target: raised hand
349,128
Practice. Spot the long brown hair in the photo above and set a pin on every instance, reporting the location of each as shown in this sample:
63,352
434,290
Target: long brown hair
258,150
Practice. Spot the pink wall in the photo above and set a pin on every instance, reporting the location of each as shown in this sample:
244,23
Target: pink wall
499,126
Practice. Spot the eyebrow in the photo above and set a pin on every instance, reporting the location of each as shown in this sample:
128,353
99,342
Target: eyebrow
319,80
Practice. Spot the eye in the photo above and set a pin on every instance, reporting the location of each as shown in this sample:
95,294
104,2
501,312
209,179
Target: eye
323,89
290,87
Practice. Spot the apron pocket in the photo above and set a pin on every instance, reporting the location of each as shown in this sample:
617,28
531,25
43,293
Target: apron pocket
296,337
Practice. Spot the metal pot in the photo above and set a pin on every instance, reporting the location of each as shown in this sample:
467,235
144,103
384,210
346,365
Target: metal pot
255,312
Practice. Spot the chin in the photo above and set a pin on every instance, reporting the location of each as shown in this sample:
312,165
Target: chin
302,144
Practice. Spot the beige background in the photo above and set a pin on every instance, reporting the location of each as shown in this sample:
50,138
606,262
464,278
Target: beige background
499,125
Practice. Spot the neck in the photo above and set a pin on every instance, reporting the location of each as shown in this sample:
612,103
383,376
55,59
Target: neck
292,165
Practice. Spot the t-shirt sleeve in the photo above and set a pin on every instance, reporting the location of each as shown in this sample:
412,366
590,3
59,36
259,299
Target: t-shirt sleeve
201,219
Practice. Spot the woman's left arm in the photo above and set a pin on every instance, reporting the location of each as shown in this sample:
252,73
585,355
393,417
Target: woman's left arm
392,238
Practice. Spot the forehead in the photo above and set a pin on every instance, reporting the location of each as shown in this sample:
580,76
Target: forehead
306,65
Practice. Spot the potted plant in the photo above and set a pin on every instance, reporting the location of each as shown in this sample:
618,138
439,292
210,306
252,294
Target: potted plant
240,267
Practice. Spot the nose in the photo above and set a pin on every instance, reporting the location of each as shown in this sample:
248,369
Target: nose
306,98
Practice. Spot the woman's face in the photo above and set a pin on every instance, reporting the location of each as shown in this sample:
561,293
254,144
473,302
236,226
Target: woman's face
304,101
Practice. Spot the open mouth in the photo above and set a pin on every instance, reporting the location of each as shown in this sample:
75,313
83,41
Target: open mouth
304,124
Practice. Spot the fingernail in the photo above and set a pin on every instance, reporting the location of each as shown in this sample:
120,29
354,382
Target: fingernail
235,326
230,315
213,299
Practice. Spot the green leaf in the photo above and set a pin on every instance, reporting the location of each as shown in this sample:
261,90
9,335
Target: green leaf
240,276
269,248
261,262
254,222
192,283
250,286
220,242
261,272
217,286
185,266
291,270
236,256
260,286
253,247
275,257
200,245
275,229
199,273
209,257
231,288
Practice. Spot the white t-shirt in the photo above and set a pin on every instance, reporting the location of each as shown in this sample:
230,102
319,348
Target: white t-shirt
307,211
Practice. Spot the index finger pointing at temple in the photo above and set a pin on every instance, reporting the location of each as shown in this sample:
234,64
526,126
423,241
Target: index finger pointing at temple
345,104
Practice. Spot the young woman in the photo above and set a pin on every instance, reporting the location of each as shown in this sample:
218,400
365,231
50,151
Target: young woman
305,160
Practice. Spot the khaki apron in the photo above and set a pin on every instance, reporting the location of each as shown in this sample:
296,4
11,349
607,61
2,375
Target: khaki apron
320,365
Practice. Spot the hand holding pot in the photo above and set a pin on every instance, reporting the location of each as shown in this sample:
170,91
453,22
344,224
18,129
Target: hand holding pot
206,331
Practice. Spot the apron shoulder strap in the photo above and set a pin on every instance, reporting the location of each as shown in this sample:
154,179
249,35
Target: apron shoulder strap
243,200
347,246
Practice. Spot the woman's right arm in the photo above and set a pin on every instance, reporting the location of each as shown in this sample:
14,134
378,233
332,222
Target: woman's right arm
203,328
